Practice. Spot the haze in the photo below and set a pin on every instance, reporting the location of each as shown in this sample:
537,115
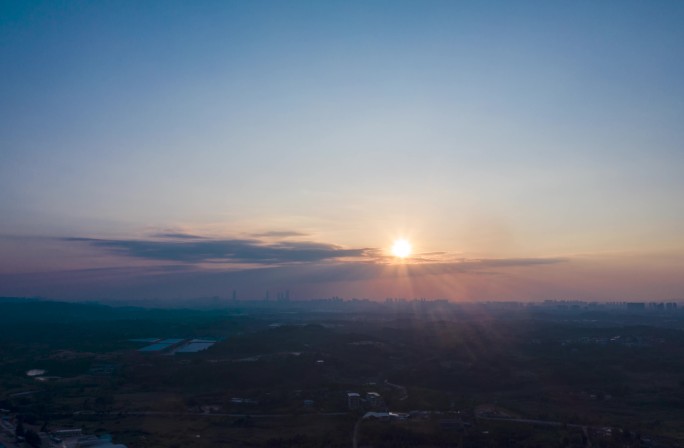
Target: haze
526,150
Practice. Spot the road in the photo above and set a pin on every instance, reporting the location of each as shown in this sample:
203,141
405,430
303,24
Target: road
402,389
541,422
355,435
584,428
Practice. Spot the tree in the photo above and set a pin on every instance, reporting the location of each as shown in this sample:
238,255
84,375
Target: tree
32,438
104,402
20,431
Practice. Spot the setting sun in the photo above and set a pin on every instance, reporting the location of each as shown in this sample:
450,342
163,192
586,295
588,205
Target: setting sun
401,248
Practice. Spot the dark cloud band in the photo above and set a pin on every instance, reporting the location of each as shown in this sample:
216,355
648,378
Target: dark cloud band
191,250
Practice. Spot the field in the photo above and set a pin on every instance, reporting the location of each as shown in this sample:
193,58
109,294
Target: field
279,374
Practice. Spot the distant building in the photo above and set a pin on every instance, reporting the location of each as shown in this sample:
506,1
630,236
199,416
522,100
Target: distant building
353,400
378,415
76,439
68,432
375,400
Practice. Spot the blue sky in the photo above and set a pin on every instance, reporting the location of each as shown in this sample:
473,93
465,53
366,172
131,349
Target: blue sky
479,130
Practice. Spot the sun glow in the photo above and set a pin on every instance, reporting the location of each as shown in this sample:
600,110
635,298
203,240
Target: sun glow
401,248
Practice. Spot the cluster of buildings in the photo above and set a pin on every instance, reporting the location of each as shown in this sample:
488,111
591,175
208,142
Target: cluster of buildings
74,438
627,341
652,306
620,305
373,400
58,438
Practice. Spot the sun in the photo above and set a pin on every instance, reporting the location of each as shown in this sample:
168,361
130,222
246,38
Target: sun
401,248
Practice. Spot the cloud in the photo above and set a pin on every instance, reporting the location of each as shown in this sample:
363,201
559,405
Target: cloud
306,280
252,251
178,235
278,234
189,249
583,278
512,262
367,271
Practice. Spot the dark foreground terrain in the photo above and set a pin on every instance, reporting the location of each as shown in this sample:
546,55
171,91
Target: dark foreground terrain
287,374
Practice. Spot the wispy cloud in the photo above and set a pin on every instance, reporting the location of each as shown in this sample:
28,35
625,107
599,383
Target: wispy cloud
252,251
189,249
178,235
278,234
511,262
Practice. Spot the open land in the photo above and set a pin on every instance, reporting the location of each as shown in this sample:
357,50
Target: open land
427,373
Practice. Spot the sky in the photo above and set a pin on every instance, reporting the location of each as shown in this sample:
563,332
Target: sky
528,150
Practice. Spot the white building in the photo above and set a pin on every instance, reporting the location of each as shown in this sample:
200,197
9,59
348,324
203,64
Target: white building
375,400
353,400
